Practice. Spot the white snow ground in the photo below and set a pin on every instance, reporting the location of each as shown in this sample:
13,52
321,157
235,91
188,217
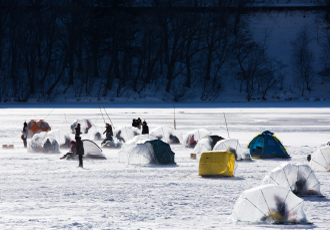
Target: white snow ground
40,191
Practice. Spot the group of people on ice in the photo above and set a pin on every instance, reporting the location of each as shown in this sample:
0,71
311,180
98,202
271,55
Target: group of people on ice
137,123
77,147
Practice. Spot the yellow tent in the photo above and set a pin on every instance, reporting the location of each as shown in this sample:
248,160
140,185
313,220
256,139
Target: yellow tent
217,163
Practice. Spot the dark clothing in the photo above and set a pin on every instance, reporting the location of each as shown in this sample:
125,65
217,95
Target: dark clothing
77,132
145,129
80,151
24,135
135,123
108,131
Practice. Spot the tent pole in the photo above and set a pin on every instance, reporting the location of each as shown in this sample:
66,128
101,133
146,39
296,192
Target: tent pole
226,124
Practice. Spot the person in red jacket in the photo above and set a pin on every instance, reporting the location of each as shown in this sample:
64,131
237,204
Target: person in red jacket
72,153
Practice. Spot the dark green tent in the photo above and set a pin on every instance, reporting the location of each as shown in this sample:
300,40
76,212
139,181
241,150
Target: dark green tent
163,152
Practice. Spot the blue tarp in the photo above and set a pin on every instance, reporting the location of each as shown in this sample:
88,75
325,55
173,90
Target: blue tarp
267,145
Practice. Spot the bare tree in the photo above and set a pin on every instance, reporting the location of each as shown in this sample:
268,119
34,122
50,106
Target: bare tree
303,59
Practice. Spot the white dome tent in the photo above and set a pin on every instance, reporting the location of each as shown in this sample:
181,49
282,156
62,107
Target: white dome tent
233,146
193,137
126,133
44,142
166,134
300,179
269,204
320,160
207,144
85,125
92,150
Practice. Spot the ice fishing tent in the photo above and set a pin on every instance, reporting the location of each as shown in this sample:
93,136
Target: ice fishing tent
142,151
267,145
207,144
320,160
37,126
92,150
300,179
217,163
126,133
191,138
166,134
232,145
44,143
85,125
113,144
62,137
269,204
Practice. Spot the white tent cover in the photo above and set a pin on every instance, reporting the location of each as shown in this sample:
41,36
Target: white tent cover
92,150
84,126
166,134
126,133
204,145
320,161
62,137
269,204
197,134
299,178
44,142
233,146
137,151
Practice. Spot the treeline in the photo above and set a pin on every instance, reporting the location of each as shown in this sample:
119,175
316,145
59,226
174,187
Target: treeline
93,48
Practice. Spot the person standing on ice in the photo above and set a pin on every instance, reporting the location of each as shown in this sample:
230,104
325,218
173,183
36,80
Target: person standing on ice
108,133
80,151
145,128
77,131
139,123
25,133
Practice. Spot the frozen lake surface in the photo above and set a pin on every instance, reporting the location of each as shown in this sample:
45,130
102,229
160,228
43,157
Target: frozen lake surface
40,191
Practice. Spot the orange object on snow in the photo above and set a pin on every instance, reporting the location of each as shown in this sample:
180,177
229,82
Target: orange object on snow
37,126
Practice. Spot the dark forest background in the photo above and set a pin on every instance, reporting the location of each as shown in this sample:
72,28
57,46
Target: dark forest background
125,47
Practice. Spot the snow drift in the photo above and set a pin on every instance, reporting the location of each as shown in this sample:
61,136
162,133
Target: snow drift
269,204
299,178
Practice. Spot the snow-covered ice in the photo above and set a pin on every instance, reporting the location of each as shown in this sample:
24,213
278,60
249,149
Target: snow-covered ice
40,191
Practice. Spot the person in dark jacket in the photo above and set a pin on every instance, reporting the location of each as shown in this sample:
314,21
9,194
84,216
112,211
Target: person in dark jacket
24,134
108,133
80,151
77,131
134,123
139,123
145,128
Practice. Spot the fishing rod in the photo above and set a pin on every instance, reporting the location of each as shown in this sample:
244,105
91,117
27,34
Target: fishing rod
226,124
174,115
108,117
101,112
49,113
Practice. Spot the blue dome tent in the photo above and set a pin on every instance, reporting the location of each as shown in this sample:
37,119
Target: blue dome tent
267,145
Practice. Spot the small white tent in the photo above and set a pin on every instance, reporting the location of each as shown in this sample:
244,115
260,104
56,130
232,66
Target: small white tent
166,134
191,138
85,125
92,150
320,160
44,142
126,133
269,204
300,179
232,145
